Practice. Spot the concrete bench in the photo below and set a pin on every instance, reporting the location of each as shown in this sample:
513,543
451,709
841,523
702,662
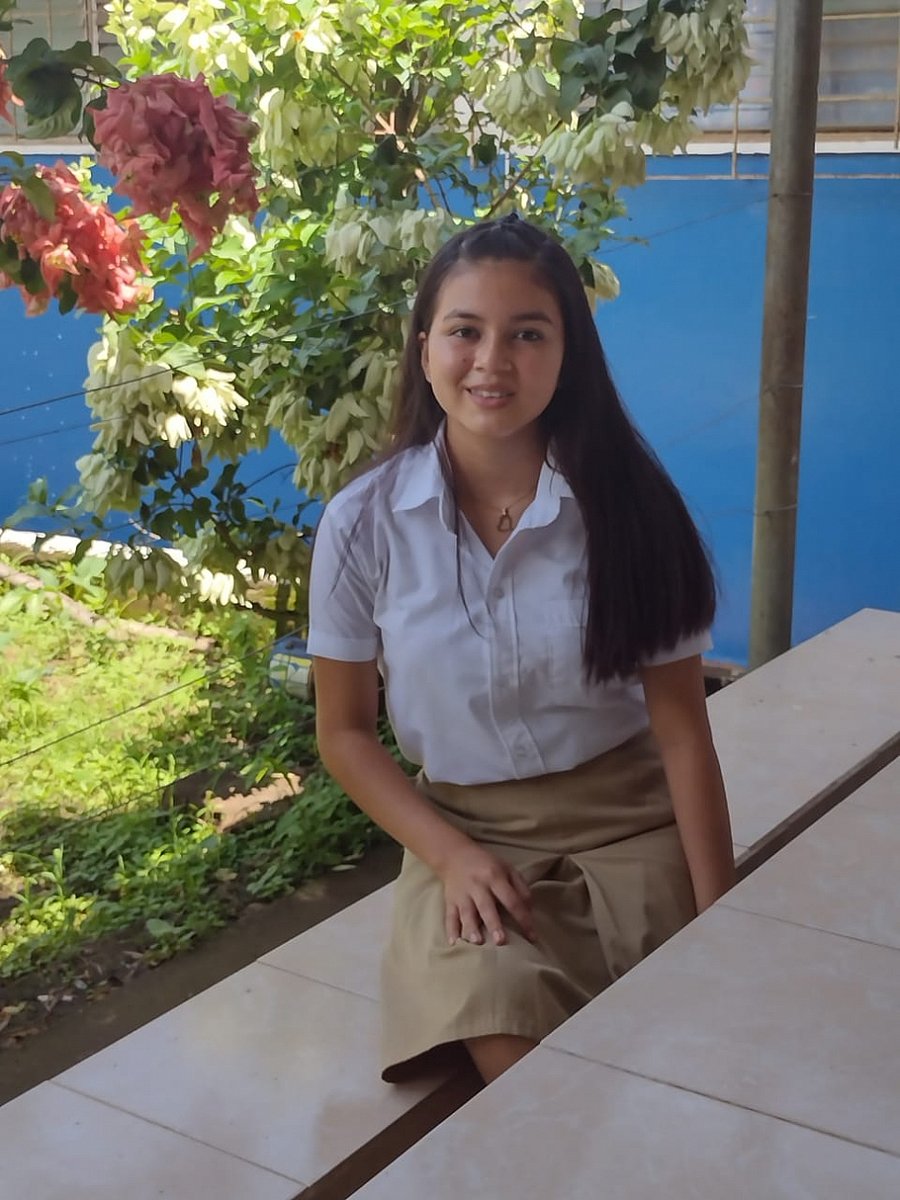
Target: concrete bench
266,1086
754,1055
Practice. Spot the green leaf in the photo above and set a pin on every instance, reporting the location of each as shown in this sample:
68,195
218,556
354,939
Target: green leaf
181,356
485,150
31,277
595,63
12,602
571,88
66,297
647,76
595,29
526,47
193,477
40,196
158,928
561,53
9,257
25,513
88,129
44,83
628,41
81,54
58,124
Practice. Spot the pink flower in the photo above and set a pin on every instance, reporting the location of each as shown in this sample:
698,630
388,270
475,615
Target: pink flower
82,244
6,94
171,143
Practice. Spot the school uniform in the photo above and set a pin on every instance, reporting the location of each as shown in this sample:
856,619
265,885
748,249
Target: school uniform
482,662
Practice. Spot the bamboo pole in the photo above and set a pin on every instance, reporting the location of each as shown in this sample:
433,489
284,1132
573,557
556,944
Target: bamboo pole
798,33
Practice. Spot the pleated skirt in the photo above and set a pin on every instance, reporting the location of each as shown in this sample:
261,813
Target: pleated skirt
599,849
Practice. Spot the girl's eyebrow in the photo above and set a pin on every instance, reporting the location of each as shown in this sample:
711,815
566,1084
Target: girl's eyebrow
457,314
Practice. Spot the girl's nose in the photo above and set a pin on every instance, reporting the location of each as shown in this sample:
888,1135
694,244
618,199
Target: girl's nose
492,354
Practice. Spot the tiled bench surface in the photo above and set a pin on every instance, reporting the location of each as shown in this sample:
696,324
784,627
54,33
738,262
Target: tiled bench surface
267,1083
755,1055
802,732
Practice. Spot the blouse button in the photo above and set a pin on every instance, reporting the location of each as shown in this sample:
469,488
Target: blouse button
498,593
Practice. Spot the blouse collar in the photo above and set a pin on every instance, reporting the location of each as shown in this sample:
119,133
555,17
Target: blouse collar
423,480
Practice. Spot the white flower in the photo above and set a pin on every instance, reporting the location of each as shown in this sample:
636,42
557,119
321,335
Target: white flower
239,227
606,282
215,587
175,429
523,100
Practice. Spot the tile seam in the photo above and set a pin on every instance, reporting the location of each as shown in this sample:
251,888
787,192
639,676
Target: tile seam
850,937
313,979
761,1112
67,1087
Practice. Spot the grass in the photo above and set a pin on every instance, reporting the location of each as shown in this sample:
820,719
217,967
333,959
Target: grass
100,862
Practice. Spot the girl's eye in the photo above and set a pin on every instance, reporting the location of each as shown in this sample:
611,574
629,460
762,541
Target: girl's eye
530,335
465,331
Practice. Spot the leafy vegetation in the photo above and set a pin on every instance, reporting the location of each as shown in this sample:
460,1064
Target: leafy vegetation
97,845
370,131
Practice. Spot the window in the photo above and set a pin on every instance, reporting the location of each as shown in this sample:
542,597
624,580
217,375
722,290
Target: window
61,22
858,73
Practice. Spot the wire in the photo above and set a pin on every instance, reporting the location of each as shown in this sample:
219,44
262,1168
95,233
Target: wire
67,824
275,471
328,321
136,707
686,435
625,244
716,419
324,323
20,408
33,437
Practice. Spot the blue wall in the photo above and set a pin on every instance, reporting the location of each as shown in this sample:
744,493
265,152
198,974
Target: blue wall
683,340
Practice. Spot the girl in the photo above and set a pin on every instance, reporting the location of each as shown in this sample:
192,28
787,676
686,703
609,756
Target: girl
526,579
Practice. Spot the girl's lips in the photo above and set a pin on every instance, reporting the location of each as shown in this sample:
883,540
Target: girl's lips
488,398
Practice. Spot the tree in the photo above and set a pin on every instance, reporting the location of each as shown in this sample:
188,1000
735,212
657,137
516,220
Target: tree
373,130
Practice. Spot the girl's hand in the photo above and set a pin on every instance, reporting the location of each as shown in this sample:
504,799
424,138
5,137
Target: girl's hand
476,884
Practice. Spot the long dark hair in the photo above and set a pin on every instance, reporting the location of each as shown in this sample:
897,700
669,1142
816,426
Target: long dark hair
650,581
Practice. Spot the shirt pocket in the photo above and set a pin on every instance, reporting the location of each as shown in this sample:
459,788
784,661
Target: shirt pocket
564,635
551,655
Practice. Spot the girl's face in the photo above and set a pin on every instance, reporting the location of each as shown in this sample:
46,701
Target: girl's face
494,351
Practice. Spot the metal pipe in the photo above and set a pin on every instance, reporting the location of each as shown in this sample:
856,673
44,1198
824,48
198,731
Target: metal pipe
798,40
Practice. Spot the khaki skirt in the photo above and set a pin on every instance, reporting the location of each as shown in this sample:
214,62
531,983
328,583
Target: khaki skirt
609,883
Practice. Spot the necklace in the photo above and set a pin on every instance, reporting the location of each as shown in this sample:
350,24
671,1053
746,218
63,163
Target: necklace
505,521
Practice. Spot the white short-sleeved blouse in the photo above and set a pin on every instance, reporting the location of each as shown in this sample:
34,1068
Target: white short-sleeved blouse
493,693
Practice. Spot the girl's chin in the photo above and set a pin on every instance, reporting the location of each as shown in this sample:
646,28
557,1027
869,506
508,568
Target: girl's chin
490,403
489,423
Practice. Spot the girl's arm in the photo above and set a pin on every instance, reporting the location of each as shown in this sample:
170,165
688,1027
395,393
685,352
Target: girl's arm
474,880
676,702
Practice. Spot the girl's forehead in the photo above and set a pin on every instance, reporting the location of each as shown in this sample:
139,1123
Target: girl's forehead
493,282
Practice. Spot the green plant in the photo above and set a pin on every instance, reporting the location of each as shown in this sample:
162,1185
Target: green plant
96,849
381,129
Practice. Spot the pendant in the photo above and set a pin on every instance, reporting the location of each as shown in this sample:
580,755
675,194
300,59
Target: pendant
504,525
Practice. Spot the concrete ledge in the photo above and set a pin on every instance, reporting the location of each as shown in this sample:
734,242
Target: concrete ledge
277,1065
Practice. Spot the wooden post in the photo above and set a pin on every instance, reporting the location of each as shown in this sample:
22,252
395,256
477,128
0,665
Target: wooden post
798,34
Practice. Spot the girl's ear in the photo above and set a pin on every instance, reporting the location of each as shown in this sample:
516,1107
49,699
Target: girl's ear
423,354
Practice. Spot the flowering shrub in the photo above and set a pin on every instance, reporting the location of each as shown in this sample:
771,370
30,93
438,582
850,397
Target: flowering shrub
375,130
79,253
171,143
